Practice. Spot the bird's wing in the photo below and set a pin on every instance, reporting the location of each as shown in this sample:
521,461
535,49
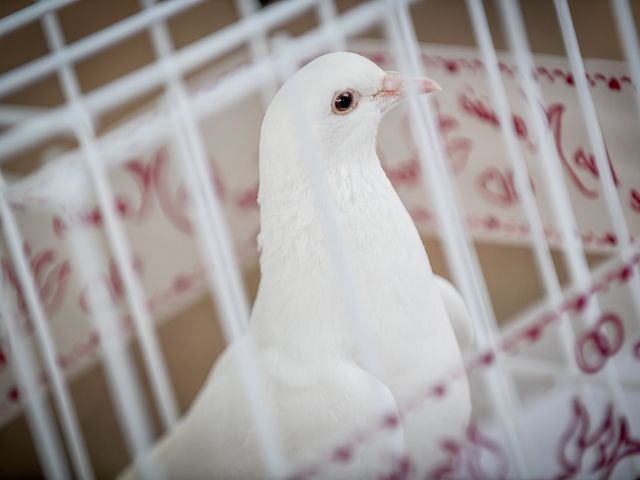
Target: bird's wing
457,312
316,405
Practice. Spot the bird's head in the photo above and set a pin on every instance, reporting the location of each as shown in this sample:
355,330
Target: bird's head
343,97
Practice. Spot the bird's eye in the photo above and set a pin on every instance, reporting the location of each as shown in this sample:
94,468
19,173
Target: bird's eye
344,102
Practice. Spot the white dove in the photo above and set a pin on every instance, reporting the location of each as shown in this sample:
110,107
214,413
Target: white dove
316,384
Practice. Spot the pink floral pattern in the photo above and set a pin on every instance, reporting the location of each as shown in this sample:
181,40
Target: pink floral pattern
594,449
50,273
479,457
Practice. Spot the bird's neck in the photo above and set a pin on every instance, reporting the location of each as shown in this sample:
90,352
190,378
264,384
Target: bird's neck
300,295
292,224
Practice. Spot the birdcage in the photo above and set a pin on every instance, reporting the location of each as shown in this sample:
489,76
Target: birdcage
129,215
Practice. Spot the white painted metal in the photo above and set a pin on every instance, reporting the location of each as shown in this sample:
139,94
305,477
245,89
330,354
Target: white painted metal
189,58
41,423
563,210
461,255
258,46
544,261
222,270
25,75
30,14
131,408
629,39
326,12
367,346
607,182
63,402
612,200
11,114
154,362
548,155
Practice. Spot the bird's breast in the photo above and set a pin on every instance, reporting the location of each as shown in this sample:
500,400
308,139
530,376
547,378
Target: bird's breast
302,304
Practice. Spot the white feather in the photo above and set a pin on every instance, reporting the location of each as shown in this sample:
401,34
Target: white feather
316,384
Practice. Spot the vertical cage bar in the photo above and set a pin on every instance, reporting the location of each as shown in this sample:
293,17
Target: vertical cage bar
223,273
257,45
121,375
544,261
629,39
152,354
63,402
366,344
326,10
92,44
563,210
605,173
41,423
460,254
225,285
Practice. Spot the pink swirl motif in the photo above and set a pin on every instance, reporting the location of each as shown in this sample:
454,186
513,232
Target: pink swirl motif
498,186
152,179
142,174
108,287
458,147
610,442
471,458
581,160
175,204
634,201
408,172
50,274
480,108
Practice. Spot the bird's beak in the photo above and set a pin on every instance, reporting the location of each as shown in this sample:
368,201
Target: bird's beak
397,85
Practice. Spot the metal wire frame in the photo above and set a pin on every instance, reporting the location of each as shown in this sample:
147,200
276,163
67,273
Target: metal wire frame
136,429
258,46
154,362
525,191
367,346
11,115
215,246
39,419
629,39
144,79
30,72
30,14
547,154
131,408
612,200
460,254
544,261
189,111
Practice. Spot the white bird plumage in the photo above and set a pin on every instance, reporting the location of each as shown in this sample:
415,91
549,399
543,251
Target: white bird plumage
316,384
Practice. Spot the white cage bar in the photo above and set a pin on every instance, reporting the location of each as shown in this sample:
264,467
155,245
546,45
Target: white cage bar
124,259
460,252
